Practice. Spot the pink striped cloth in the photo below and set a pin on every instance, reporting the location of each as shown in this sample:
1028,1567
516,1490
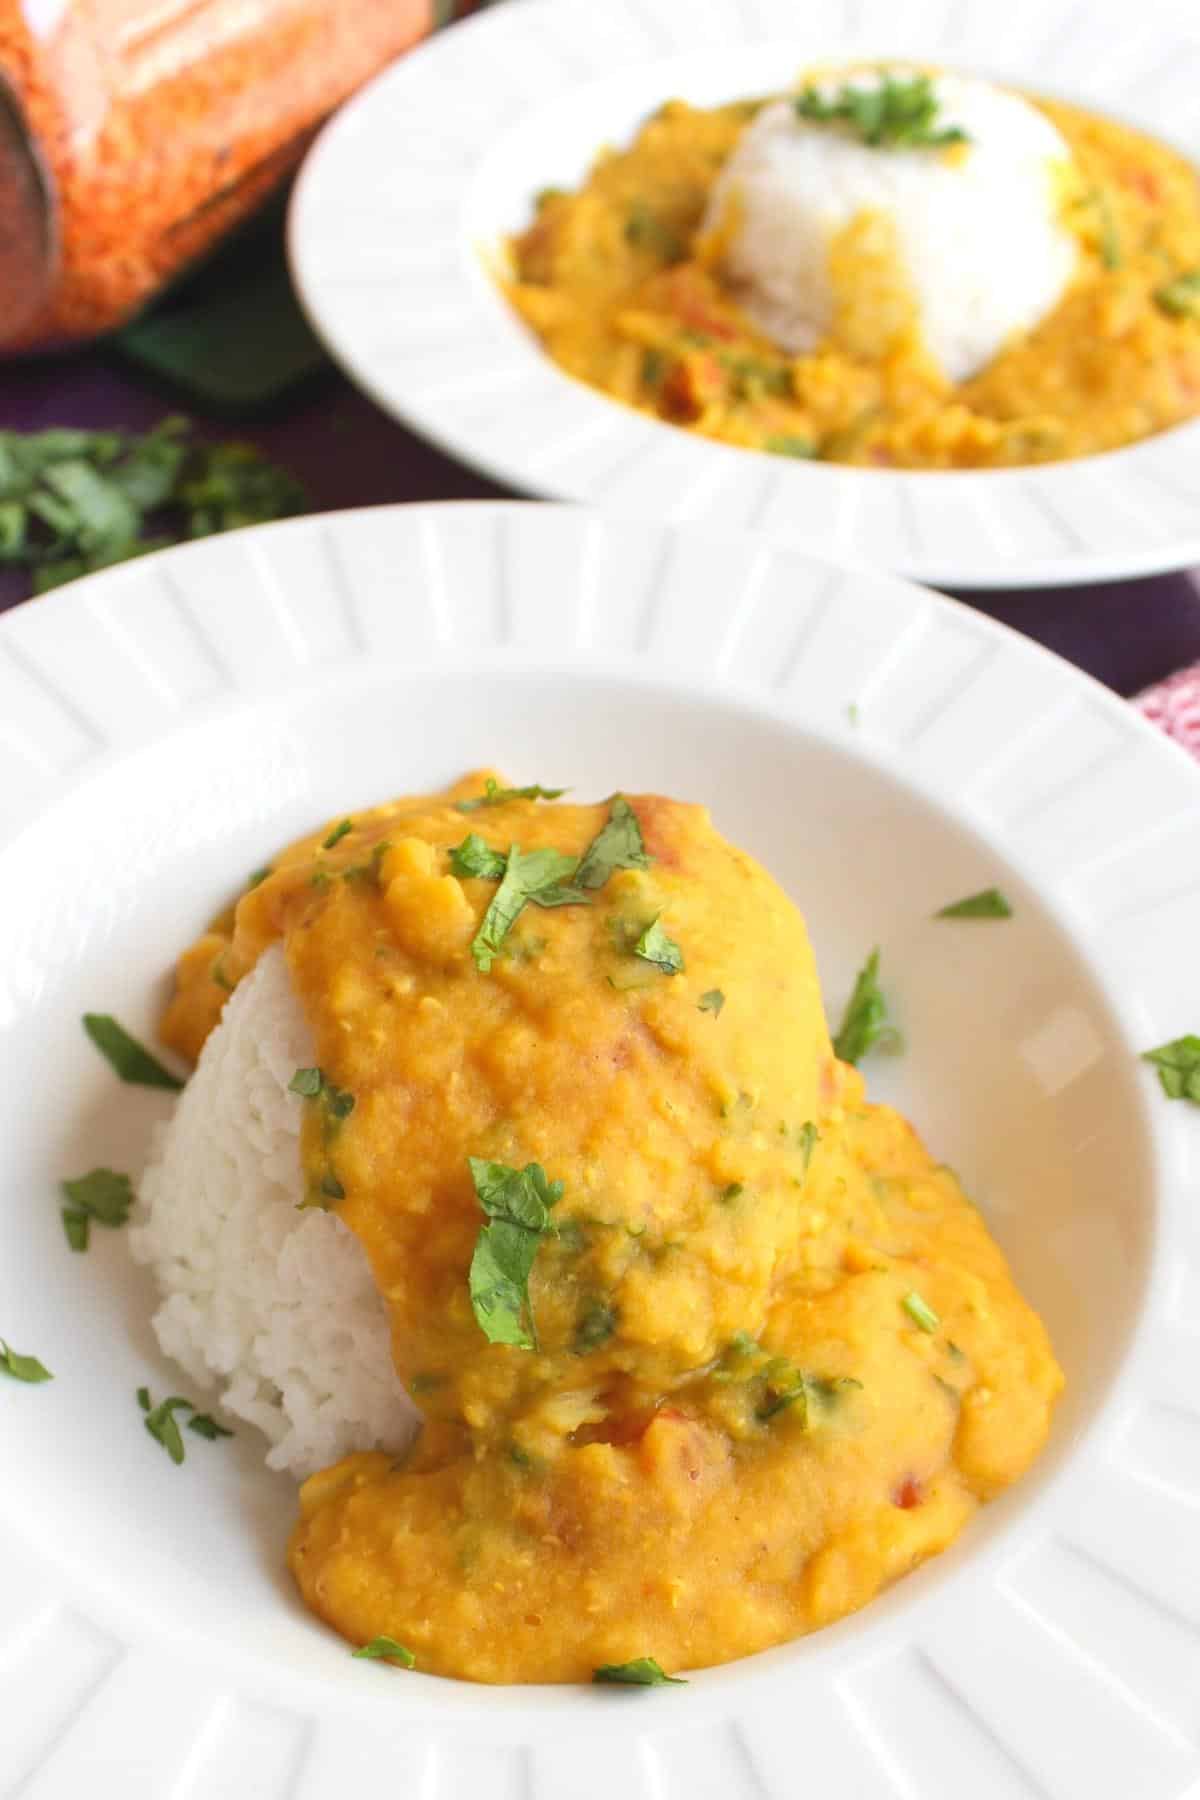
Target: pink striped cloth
1174,704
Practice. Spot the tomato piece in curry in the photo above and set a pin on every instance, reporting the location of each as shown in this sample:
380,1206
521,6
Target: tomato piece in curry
773,1357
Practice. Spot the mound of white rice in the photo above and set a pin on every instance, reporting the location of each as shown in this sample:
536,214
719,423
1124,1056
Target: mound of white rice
982,248
276,1305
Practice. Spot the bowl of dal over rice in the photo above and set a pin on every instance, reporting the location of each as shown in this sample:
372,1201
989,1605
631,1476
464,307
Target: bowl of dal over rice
963,257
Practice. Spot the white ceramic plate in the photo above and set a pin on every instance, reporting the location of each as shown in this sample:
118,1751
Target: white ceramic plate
164,726
440,159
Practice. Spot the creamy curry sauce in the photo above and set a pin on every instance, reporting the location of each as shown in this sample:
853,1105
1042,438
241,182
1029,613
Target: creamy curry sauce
620,286
733,1429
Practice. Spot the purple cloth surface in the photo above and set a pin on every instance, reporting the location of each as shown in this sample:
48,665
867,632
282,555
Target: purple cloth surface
348,453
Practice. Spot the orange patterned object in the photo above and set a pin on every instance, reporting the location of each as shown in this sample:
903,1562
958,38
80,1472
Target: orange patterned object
134,133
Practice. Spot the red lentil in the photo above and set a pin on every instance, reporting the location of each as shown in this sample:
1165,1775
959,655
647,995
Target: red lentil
133,133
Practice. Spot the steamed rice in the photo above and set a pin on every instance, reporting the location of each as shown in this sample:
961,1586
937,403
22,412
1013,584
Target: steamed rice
275,1305
982,249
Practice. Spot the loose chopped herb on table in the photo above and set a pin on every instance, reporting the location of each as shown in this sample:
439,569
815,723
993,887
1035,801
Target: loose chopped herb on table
517,1203
22,1368
1178,1065
73,501
131,1060
989,903
896,114
102,1195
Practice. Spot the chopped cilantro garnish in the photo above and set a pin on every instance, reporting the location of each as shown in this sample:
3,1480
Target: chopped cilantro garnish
337,834
712,1001
654,367
865,1020
809,1138
654,946
143,1398
595,1325
495,795
643,1671
163,1426
791,444
386,1649
990,903
102,1195
646,231
617,845
920,1312
899,113
543,876
259,875
205,1426
517,1203
131,1060
1178,1065
473,859
733,1191
22,1368
311,1084
1180,298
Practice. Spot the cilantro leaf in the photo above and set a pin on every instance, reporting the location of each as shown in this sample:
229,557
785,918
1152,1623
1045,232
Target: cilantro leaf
77,1227
1178,1065
311,1084
517,1203
789,444
163,1426
102,1195
205,1426
712,1002
131,1060
654,946
1180,299
920,1312
643,1671
536,875
22,1368
337,834
475,860
810,1137
865,1020
495,795
899,112
617,845
386,1648
990,903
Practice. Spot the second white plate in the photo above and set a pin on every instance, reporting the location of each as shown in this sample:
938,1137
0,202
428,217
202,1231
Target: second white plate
436,162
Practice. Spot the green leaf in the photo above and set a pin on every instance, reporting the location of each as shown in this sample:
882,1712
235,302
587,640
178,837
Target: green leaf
920,1312
788,444
646,231
865,1021
22,1368
131,1060
475,860
337,834
143,1398
517,1203
643,1671
896,113
311,1084
617,845
537,875
654,946
259,875
77,1227
163,1426
1178,1065
307,1083
1180,298
104,519
809,1139
989,903
712,1002
386,1649
495,795
102,1195
595,1325
205,1426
